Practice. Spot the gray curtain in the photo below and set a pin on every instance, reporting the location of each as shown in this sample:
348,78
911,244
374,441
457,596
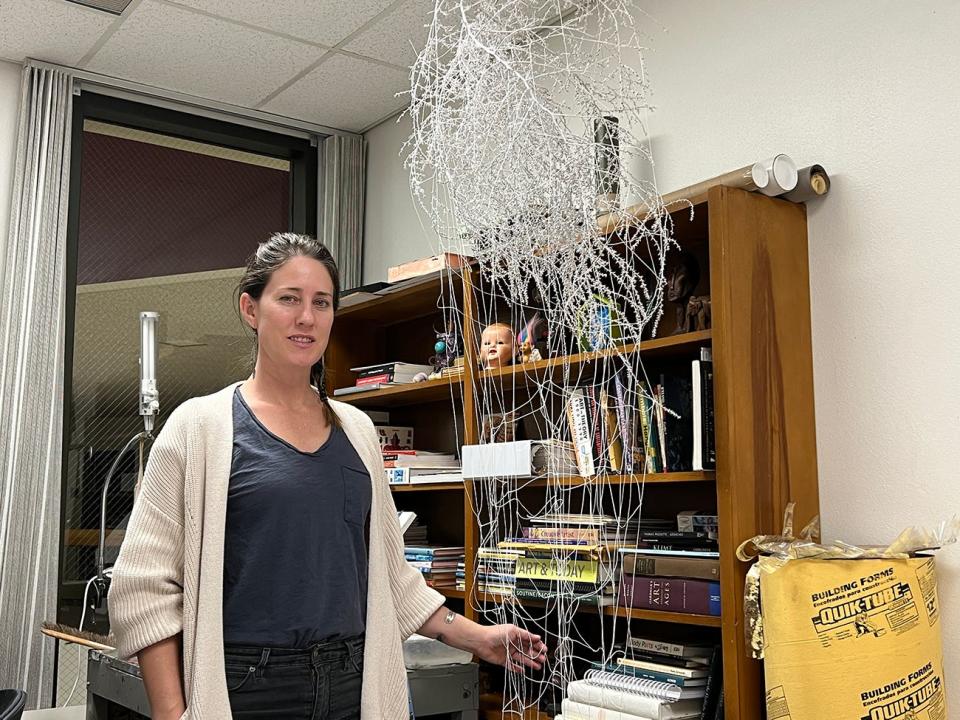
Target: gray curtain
31,382
343,183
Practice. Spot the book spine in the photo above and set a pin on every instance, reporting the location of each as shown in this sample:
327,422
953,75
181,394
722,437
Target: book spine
525,593
624,420
649,674
562,533
580,432
656,646
671,594
557,569
711,695
666,566
708,438
374,379
662,430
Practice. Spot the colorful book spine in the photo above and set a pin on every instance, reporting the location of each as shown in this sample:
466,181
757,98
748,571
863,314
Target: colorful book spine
671,594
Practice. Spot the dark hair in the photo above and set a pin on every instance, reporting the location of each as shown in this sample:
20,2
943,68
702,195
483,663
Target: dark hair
268,258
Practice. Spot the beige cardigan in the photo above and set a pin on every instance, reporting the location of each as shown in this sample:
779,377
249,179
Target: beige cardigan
169,575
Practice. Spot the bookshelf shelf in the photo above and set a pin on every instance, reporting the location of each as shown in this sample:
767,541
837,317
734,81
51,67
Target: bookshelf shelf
666,617
422,487
675,345
452,593
676,477
624,612
407,394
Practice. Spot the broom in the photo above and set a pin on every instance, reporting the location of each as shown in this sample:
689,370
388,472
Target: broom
69,634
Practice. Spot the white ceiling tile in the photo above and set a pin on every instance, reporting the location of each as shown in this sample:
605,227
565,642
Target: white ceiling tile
343,92
51,30
176,49
397,37
326,22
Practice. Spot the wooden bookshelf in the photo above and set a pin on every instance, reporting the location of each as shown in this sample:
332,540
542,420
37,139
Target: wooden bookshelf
754,266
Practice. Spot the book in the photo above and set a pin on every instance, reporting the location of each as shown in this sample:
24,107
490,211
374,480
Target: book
688,673
579,571
597,599
696,520
392,366
630,699
711,695
670,594
677,423
675,551
656,675
663,692
625,422
671,566
584,534
579,421
673,649
704,445
613,443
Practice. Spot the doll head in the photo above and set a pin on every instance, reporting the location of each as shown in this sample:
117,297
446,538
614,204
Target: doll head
497,346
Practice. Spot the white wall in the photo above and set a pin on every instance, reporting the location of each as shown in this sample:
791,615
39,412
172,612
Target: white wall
868,89
393,232
9,109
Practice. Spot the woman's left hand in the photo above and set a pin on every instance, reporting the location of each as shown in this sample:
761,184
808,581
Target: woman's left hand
510,646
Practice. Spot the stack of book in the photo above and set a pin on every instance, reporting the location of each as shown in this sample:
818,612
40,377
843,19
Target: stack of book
496,570
462,573
374,377
672,570
652,680
416,534
438,564
412,467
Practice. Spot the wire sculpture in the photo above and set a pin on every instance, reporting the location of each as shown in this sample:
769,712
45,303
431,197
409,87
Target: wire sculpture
528,146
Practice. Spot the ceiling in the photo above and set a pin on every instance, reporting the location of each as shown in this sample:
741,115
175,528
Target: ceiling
338,63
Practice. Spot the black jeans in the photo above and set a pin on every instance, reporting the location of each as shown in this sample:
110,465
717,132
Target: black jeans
319,683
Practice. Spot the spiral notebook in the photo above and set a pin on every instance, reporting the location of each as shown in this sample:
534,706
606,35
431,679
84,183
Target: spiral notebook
612,694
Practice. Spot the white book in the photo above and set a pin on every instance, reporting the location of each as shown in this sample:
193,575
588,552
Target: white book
697,419
573,710
630,703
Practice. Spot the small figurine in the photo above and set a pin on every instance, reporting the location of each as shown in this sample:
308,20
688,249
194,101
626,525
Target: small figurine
681,283
526,339
445,348
698,312
497,346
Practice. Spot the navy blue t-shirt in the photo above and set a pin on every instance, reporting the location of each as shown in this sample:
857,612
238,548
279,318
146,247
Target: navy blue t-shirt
295,552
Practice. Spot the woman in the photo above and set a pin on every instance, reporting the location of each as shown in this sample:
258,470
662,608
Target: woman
262,572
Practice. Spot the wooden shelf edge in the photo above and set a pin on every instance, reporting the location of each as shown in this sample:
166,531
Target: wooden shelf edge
451,593
406,392
541,367
420,487
624,612
575,480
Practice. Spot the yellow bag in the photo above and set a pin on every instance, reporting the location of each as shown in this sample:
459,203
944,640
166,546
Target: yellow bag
847,633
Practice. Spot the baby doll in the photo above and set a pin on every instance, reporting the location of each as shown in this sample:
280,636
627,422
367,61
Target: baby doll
497,347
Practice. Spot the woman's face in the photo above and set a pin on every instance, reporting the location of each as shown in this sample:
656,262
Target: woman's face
294,314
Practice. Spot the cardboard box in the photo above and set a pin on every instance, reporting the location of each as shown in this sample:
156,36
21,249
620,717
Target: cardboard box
425,266
851,639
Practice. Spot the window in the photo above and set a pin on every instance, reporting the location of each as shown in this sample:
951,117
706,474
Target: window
164,210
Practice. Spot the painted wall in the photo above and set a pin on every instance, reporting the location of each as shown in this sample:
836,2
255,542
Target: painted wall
862,88
9,109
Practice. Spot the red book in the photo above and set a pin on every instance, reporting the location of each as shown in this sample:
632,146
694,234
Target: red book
700,597
371,379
